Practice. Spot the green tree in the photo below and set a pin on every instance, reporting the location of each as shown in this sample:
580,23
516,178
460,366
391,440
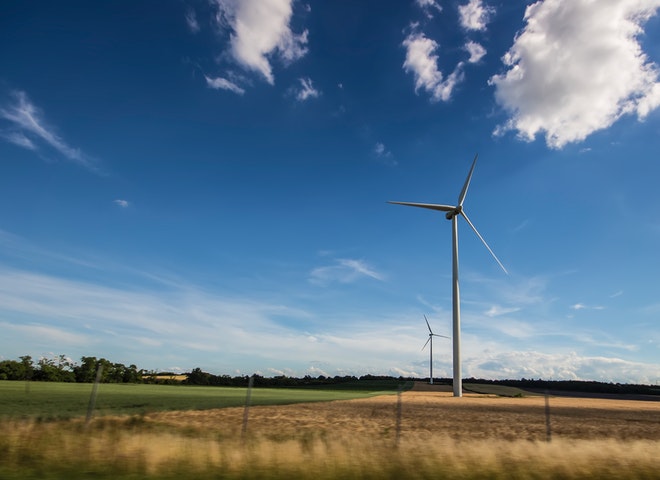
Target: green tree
86,371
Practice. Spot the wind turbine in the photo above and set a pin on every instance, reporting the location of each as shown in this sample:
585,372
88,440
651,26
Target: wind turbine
452,213
430,340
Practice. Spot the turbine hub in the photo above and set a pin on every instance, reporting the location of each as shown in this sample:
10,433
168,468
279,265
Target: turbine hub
454,212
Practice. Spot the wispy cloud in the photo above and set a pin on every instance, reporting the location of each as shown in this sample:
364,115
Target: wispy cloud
422,61
582,306
183,325
381,151
191,21
259,29
474,15
27,126
121,203
343,271
384,155
428,6
497,310
19,139
219,83
576,68
306,90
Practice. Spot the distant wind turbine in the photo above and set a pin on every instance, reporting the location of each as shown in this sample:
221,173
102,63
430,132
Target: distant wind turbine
452,212
430,340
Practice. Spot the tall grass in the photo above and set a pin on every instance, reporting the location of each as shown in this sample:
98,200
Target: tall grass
132,448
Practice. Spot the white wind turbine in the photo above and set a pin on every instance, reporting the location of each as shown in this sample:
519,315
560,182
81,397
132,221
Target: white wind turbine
453,211
430,340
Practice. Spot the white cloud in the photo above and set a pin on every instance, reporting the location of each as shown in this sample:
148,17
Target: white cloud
582,306
423,63
428,6
559,366
344,271
576,68
27,118
191,21
260,28
306,90
381,151
474,15
497,310
219,83
19,139
384,155
475,50
181,324
122,203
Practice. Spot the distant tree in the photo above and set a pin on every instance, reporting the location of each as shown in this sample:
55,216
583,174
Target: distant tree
198,377
28,367
57,369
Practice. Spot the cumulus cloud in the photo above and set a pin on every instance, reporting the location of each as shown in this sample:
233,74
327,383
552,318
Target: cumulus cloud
343,271
122,203
28,127
559,366
219,83
422,61
474,15
259,29
475,50
306,90
576,68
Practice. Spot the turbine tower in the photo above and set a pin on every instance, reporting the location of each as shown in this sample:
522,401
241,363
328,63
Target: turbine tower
452,213
430,340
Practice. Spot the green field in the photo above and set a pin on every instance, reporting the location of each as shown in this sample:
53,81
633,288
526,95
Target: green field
500,390
66,400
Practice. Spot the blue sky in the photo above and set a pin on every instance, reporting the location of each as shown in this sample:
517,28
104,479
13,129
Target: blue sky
204,184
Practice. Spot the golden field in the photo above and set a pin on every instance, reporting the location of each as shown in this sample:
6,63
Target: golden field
476,436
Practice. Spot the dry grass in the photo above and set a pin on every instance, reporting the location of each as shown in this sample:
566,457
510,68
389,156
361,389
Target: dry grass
473,437
429,413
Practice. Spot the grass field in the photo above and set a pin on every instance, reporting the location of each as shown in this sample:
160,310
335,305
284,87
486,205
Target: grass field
65,400
474,437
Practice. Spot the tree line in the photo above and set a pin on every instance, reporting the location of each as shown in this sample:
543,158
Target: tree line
62,369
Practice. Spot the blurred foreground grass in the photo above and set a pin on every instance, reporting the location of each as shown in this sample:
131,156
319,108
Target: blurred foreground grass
134,448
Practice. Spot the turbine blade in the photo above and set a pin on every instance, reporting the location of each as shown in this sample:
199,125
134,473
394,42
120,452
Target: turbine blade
484,241
461,197
427,342
431,206
436,335
427,324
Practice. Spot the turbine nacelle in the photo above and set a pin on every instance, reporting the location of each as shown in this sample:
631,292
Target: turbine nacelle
457,211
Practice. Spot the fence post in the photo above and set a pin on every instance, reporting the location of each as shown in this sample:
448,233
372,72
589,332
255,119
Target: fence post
548,429
246,410
398,415
92,398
